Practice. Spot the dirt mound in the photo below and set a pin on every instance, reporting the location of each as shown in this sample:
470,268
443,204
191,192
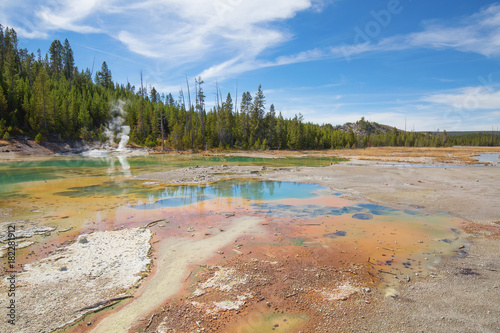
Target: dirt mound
23,146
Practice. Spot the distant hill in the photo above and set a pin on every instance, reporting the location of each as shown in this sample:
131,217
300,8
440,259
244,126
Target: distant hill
363,128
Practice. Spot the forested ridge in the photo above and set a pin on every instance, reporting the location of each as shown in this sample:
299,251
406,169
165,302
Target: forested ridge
49,98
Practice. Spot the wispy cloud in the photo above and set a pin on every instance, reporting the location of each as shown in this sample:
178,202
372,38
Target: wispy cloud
468,98
69,15
477,33
175,31
471,108
231,33
36,19
105,52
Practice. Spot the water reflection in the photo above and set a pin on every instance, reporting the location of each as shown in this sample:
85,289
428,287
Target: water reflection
252,190
102,164
123,168
54,168
360,211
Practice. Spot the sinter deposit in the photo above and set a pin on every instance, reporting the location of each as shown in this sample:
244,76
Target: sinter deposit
89,274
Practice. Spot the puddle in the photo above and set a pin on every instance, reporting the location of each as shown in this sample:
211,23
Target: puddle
270,323
336,234
492,158
362,216
304,214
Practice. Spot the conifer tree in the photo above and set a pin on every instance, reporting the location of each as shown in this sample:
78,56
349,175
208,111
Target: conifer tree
56,58
200,108
103,77
228,120
2,46
11,65
3,105
68,60
257,116
270,127
245,108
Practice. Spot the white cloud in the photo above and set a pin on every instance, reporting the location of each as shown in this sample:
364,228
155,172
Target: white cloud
421,111
479,33
175,32
66,15
476,34
231,33
31,34
469,98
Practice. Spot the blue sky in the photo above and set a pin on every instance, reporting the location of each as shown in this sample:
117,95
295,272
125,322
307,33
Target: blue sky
433,63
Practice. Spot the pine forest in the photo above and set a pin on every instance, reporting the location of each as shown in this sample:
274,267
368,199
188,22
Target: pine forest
47,97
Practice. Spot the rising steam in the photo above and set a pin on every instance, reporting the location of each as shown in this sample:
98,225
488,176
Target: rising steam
116,127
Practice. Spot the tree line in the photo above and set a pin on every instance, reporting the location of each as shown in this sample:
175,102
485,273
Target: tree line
48,97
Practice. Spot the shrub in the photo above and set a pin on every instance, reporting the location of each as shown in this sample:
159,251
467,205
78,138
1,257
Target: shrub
39,138
257,144
6,136
150,142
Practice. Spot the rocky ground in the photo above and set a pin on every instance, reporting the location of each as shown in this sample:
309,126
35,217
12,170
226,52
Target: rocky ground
23,146
94,272
462,296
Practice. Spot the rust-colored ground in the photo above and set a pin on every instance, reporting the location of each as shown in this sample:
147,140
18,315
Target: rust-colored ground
320,274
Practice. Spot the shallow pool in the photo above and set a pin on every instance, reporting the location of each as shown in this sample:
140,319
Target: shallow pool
247,189
492,158
41,169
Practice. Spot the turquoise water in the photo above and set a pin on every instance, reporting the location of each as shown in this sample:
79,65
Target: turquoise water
177,196
359,211
10,175
80,166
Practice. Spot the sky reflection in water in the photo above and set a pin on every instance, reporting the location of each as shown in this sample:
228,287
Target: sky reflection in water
253,190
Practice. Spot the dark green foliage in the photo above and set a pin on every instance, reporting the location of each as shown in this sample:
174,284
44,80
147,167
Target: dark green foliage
68,60
103,77
48,96
56,58
257,117
39,138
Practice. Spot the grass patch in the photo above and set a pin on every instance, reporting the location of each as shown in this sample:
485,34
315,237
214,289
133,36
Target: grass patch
297,241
